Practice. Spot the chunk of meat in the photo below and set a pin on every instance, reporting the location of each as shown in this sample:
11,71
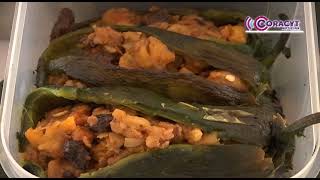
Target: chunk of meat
234,33
76,153
110,39
228,79
149,53
120,16
130,38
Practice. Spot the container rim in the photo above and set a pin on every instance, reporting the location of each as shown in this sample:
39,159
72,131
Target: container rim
11,166
9,79
312,43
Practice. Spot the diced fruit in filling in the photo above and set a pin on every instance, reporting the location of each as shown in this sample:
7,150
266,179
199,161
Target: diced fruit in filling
100,123
77,154
149,53
103,136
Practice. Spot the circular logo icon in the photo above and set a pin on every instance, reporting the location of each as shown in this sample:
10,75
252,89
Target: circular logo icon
260,23
249,23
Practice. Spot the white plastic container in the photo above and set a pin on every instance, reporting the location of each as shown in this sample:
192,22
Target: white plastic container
6,20
7,10
294,79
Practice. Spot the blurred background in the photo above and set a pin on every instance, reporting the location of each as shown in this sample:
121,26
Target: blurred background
6,19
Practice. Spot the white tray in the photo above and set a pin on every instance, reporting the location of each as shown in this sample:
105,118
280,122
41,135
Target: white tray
294,79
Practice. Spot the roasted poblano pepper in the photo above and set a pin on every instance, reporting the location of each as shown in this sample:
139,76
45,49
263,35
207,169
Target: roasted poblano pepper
187,161
205,92
252,127
177,86
69,45
220,54
228,120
